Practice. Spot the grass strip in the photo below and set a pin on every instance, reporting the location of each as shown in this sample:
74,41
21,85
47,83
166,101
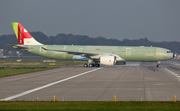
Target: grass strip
90,106
37,63
9,71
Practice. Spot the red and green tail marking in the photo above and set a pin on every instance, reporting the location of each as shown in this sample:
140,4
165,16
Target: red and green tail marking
20,32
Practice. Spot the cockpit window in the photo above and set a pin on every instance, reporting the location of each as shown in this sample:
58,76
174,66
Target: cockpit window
168,51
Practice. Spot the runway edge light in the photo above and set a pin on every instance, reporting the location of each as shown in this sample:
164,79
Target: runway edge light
175,98
114,97
54,98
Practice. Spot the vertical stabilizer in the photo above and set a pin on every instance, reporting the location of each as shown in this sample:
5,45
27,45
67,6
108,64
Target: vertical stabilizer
23,36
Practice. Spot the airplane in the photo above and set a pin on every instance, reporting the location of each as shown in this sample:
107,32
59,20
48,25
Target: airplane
94,55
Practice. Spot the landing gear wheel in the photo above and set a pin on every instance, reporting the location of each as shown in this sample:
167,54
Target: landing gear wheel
85,65
97,65
91,65
158,65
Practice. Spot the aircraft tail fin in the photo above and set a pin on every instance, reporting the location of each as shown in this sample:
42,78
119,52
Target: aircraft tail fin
23,36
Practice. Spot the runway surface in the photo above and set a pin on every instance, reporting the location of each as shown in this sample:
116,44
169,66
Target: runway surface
135,81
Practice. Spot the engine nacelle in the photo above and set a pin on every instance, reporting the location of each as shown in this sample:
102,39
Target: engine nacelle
111,60
80,58
108,60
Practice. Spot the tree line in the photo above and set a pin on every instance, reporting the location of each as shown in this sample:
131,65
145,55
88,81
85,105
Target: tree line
69,39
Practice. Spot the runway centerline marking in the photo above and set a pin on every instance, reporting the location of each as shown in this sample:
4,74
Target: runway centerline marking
47,85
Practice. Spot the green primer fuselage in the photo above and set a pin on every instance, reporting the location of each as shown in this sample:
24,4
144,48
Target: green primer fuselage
128,53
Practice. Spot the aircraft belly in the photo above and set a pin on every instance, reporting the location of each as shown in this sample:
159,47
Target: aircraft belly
150,57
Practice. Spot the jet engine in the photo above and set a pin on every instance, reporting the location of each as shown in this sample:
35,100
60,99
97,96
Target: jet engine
108,60
111,60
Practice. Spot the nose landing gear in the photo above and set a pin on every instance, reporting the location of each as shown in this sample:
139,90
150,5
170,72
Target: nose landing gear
158,64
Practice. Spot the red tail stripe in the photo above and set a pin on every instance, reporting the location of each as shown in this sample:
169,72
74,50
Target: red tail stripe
22,34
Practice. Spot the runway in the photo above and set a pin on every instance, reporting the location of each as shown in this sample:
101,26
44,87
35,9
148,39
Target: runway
135,81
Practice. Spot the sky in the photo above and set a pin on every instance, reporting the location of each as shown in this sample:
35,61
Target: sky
157,20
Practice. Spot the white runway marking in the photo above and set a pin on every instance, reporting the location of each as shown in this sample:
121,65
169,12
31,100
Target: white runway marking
45,86
171,72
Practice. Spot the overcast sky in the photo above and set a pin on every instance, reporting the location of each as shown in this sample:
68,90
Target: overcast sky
158,20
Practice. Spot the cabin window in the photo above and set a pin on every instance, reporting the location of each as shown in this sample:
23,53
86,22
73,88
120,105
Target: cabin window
168,51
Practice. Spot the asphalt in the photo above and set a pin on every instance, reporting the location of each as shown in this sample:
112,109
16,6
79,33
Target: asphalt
135,81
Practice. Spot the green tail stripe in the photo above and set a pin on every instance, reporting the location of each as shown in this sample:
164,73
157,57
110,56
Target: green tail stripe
15,27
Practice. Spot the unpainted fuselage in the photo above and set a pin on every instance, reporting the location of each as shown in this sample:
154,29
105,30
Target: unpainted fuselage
128,53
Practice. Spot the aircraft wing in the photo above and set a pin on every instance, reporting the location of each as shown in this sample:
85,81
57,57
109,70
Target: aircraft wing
86,54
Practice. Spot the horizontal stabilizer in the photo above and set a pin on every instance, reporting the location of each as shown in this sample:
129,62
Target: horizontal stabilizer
22,47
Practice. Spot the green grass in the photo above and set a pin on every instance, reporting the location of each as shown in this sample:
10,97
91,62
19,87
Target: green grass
8,71
27,62
90,106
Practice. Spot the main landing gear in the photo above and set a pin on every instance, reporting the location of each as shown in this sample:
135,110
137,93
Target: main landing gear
92,65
